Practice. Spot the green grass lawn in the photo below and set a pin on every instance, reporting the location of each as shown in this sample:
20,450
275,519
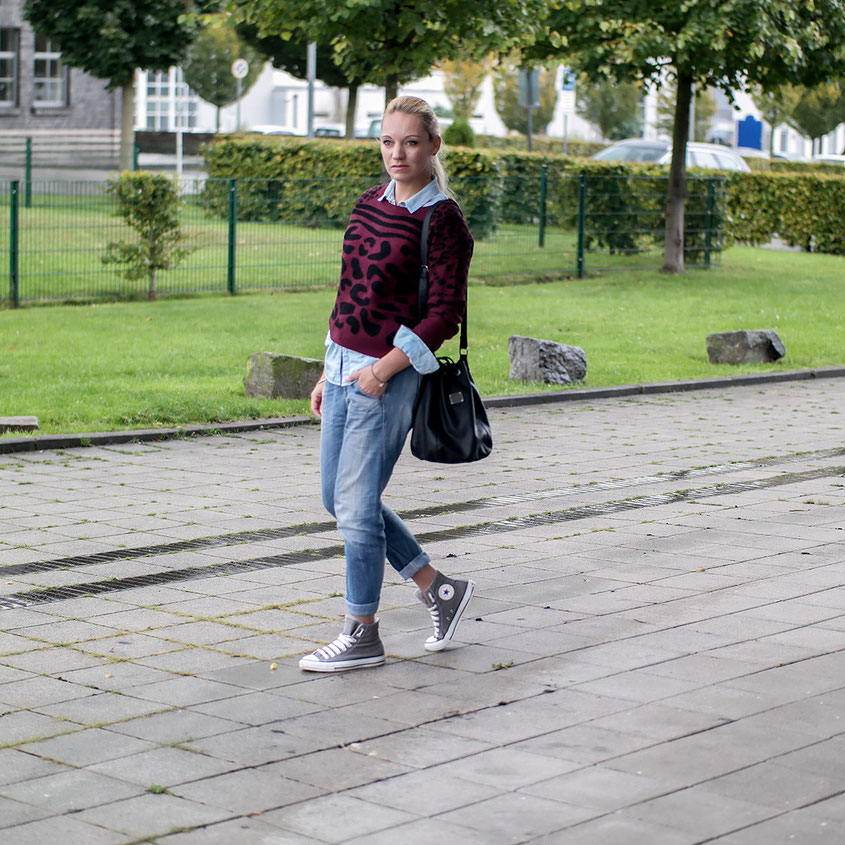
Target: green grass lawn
137,364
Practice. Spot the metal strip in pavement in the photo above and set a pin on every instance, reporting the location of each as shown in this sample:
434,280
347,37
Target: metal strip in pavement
47,595
311,528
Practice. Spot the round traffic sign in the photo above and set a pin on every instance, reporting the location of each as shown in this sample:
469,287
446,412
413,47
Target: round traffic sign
240,68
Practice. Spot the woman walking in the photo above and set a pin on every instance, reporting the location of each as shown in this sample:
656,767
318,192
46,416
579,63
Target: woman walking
378,348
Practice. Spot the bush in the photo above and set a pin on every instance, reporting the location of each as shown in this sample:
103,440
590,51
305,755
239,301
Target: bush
149,203
459,134
625,203
272,183
803,210
575,147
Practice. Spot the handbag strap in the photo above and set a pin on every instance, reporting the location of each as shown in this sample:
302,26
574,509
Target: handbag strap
422,291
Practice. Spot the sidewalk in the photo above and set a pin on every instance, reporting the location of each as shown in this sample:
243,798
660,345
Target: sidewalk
654,654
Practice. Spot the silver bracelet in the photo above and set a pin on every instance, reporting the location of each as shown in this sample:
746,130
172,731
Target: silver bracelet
320,381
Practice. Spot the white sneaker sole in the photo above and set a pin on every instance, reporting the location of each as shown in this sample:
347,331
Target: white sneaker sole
340,665
438,645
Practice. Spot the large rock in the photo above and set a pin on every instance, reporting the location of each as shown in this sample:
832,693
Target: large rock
745,347
277,376
533,359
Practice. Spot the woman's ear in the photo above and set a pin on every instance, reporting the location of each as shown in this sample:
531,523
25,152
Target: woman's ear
437,141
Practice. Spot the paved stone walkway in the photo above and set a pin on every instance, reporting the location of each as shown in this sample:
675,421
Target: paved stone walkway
655,653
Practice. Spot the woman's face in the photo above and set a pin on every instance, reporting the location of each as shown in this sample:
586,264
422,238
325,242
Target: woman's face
407,151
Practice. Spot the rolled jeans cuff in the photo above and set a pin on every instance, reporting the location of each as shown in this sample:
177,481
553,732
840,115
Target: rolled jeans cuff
412,568
361,609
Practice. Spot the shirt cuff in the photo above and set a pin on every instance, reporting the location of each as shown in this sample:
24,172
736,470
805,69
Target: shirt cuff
421,357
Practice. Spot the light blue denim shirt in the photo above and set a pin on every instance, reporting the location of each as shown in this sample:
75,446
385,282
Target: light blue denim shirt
342,362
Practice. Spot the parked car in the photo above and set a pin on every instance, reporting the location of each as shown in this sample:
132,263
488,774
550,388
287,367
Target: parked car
713,156
270,129
830,158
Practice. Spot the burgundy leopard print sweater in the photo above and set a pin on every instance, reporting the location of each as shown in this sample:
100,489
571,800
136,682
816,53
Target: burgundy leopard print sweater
380,273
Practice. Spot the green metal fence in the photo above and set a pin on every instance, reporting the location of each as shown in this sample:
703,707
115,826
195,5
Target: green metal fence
277,234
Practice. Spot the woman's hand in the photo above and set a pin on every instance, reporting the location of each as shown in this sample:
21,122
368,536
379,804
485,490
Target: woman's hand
317,398
368,382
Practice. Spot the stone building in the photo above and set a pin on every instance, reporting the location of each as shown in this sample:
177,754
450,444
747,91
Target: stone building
39,95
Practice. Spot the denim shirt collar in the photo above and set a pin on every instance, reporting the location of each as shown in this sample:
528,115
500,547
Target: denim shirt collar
430,194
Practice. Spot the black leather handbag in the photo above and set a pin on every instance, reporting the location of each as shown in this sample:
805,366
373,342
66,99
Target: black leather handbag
450,422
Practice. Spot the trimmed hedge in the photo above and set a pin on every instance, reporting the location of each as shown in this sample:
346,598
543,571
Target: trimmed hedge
804,210
625,203
575,147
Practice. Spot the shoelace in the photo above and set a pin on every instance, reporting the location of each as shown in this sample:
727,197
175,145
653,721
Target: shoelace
434,610
341,644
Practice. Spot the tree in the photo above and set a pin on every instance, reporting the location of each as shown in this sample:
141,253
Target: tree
819,110
703,43
705,109
207,64
776,107
386,42
506,89
462,81
110,39
613,107
149,203
290,56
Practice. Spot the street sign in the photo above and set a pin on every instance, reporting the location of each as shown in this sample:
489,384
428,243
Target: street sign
568,81
240,68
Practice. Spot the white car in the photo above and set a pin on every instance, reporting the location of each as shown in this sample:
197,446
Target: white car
830,158
712,156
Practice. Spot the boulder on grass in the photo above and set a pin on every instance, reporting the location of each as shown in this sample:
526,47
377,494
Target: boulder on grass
533,359
745,347
276,376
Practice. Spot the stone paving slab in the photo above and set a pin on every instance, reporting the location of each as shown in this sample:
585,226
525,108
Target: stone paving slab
655,653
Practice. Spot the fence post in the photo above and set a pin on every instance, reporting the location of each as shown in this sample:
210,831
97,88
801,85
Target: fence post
14,293
543,188
708,220
233,232
582,221
28,174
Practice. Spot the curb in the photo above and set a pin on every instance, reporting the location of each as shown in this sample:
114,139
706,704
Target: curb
107,438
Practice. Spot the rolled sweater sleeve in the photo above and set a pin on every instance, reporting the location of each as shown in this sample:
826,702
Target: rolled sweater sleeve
449,253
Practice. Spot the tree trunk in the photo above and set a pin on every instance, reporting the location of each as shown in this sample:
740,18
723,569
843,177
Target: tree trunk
391,88
676,195
127,125
217,121
351,108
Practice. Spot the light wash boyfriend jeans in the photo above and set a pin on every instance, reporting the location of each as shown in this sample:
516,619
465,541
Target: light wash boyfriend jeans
361,439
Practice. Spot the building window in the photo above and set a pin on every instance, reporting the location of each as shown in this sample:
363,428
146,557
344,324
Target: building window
49,75
170,103
9,39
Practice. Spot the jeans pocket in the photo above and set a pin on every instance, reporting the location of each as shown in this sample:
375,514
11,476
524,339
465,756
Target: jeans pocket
361,392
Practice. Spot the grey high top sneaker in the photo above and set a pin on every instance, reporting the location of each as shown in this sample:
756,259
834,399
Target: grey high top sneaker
357,647
446,600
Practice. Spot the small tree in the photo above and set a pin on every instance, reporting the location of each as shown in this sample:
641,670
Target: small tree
819,110
207,64
149,203
462,80
506,87
776,107
613,107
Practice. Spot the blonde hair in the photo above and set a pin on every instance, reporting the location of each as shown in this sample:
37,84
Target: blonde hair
414,105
